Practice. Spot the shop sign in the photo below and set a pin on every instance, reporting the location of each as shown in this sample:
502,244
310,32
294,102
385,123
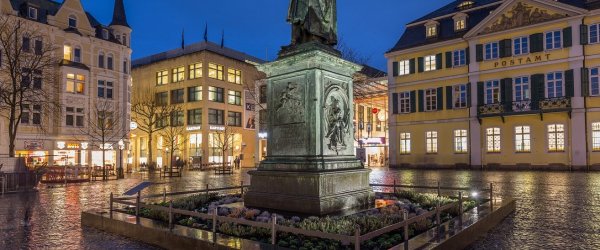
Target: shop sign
193,128
375,140
34,145
262,135
107,146
522,61
219,128
72,145
133,125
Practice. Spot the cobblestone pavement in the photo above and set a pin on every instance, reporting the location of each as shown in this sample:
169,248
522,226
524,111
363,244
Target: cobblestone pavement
555,210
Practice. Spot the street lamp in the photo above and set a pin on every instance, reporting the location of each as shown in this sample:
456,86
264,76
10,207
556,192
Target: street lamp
121,147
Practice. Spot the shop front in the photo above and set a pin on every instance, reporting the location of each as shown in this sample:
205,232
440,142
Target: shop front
375,151
70,153
35,154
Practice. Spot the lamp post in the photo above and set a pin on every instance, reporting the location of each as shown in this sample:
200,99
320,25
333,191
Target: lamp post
121,147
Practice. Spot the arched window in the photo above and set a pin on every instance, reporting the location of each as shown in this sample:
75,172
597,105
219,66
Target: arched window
101,59
72,21
110,62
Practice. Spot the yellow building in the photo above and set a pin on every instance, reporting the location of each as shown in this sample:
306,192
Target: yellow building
498,84
212,84
94,68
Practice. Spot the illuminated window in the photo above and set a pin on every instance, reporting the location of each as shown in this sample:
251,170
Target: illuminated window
215,71
431,29
404,67
431,99
195,71
492,51
67,52
162,77
460,24
596,136
522,139
459,94
234,76
404,99
556,137
431,138
75,83
554,85
521,89
430,63
461,142
235,97
493,140
404,143
216,94
492,92
465,5
178,74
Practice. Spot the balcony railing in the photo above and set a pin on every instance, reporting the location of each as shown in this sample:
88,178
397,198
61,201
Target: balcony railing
489,109
555,103
521,106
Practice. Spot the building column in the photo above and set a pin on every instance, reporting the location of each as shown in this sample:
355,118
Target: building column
578,127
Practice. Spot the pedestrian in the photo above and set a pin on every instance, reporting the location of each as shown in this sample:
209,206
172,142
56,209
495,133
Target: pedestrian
237,162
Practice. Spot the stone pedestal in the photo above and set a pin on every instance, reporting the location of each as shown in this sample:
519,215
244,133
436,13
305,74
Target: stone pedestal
311,167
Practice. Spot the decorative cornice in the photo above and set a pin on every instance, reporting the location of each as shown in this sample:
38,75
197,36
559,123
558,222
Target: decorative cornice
521,15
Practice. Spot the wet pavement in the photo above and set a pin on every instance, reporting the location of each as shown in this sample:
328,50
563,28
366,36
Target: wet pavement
555,210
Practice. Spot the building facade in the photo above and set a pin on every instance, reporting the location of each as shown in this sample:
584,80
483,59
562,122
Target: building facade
94,69
214,86
498,84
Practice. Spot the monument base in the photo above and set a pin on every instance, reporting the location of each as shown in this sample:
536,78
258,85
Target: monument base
310,193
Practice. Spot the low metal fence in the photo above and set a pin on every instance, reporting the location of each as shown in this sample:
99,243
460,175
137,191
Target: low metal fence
357,239
15,182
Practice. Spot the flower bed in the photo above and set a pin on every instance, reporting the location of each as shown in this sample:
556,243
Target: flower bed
370,220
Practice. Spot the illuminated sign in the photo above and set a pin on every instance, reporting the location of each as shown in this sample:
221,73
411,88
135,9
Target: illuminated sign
375,140
34,145
262,135
72,145
219,128
193,128
133,125
522,61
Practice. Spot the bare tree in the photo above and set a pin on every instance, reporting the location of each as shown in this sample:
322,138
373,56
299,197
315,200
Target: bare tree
351,54
224,140
151,114
174,140
28,75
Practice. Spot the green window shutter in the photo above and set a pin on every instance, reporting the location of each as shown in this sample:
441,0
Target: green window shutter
413,101
448,59
449,99
585,82
412,65
479,53
421,64
507,94
569,83
480,94
536,43
468,56
395,69
438,61
505,48
584,38
537,90
567,37
440,98
468,95
421,103
395,103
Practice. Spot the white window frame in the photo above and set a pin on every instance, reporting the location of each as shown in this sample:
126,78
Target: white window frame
554,81
404,102
431,29
459,58
32,13
493,53
431,142
459,92
554,44
404,67
405,143
430,63
460,24
75,113
75,80
495,86
461,141
74,18
519,87
596,136
556,137
523,139
594,39
594,80
430,99
105,34
523,50
493,140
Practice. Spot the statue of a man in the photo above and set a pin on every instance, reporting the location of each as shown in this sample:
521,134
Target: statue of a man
313,20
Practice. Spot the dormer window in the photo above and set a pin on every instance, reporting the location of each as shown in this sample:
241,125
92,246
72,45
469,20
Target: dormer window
465,5
32,13
460,22
105,34
72,22
431,29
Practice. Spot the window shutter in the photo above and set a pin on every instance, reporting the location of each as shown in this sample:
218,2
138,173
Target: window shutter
536,43
505,48
421,64
413,101
395,69
449,98
569,83
395,103
468,95
449,59
584,38
567,37
438,61
537,90
585,82
480,94
479,52
421,101
440,98
411,66
506,86
467,56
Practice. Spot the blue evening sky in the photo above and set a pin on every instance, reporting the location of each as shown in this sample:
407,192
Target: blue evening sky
258,27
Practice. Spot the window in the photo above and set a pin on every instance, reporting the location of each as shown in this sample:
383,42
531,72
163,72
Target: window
556,137
72,22
431,30
595,81
521,89
465,5
77,54
461,141
125,66
522,139
101,60
492,92
26,44
216,94
430,63
37,83
32,13
432,142
234,76
460,24
431,99
162,98
105,34
195,94
38,47
235,119
235,97
75,83
594,33
74,117
404,99
195,71
459,58
263,94
596,136
215,117
404,67
32,114
162,77
178,74
554,85
109,62
105,89
521,46
492,51
67,52
404,143
459,96
124,39
177,96
215,71
493,140
105,119
177,118
195,117
553,40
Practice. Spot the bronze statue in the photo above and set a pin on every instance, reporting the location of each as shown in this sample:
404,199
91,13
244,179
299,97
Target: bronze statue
313,21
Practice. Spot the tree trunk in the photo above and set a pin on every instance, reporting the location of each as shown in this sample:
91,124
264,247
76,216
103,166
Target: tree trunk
149,160
104,177
12,131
